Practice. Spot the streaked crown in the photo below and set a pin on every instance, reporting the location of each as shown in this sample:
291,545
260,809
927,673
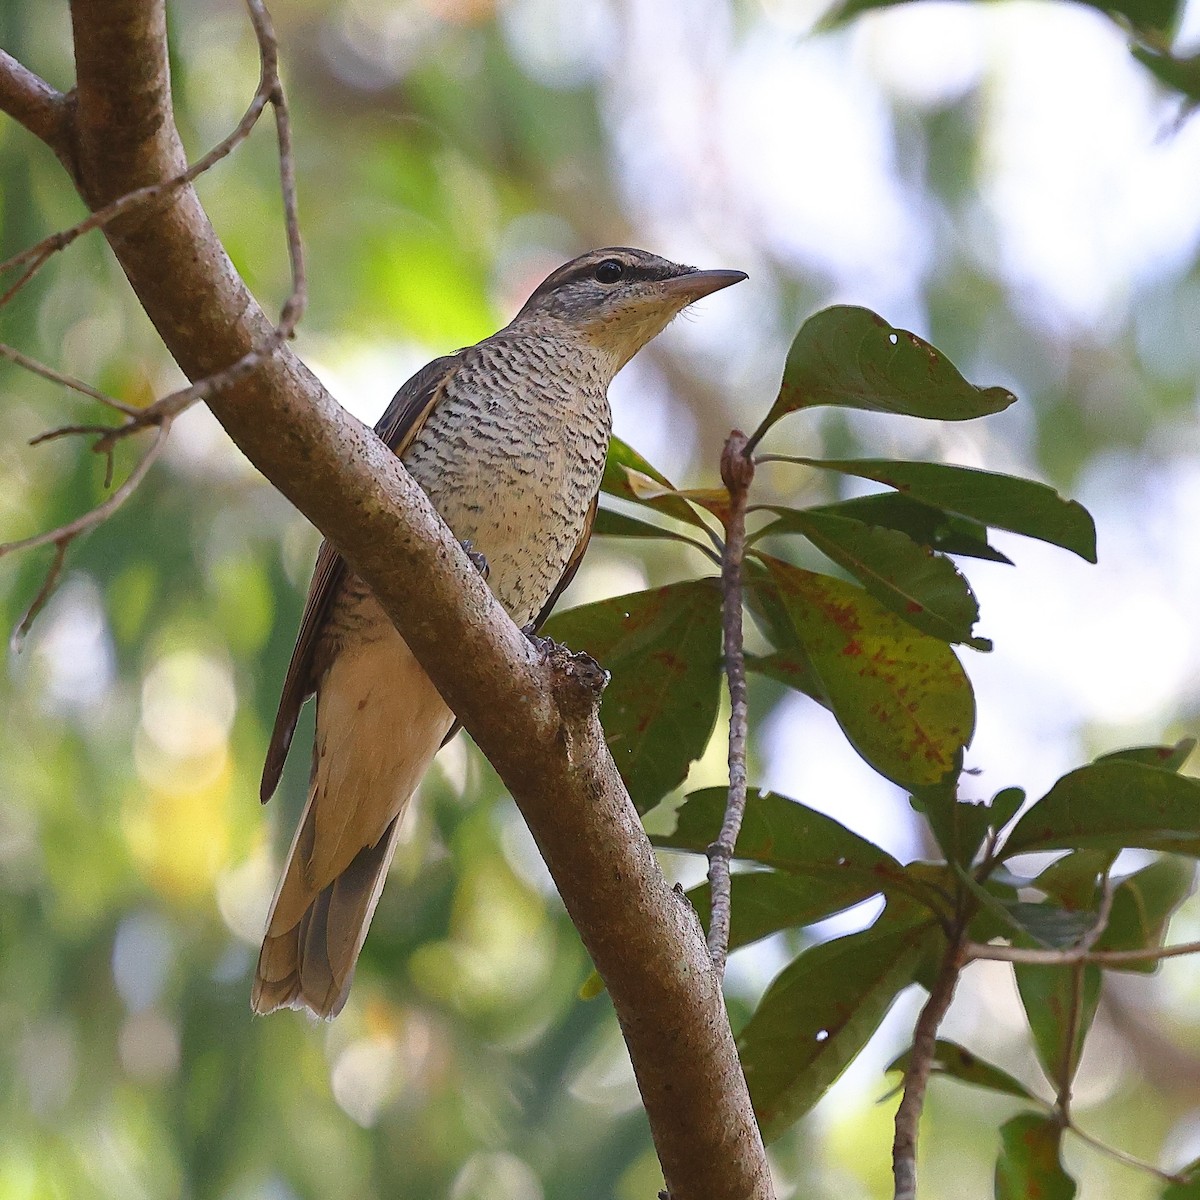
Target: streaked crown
619,297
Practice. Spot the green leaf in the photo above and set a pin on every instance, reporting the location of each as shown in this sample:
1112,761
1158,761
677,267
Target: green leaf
1188,1187
1168,758
1112,805
615,524
900,696
663,648
820,1012
626,473
1029,1165
1146,16
1005,805
853,358
923,588
764,902
1142,906
777,832
959,825
957,1062
1059,1001
1048,925
1180,73
791,669
1002,501
924,523
1074,879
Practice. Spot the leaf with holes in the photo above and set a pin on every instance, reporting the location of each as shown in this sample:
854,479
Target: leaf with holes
900,696
1029,1164
925,589
1002,501
1112,805
821,1010
663,648
852,358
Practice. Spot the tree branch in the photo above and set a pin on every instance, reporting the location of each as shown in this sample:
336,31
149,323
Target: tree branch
522,708
32,102
737,473
916,1077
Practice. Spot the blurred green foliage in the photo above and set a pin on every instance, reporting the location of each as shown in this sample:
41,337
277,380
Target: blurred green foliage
442,164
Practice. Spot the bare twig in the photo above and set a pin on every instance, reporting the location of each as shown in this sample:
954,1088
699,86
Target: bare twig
31,101
17,640
92,518
1071,955
916,1077
269,92
76,385
737,473
162,412
1082,951
1121,1156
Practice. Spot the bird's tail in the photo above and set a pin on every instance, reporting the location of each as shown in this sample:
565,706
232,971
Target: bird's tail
380,722
310,965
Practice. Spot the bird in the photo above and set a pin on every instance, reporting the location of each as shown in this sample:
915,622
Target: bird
508,438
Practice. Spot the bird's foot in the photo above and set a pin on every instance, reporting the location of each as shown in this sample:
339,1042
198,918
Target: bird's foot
479,561
543,645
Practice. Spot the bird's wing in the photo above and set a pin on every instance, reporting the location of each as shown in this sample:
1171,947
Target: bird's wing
562,585
572,563
402,421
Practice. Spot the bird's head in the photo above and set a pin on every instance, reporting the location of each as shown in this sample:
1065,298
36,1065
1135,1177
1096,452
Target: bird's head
618,298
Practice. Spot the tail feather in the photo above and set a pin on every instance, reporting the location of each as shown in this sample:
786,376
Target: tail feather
380,721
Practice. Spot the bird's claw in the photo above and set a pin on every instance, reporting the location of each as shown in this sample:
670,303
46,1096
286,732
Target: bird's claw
478,560
543,645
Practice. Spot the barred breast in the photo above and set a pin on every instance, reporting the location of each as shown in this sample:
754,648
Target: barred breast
512,457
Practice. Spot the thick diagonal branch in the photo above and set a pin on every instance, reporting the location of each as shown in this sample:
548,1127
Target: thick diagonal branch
643,940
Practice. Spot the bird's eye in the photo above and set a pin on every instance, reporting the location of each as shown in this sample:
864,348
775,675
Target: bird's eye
609,271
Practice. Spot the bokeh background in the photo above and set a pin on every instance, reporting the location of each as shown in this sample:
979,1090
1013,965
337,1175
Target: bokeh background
1003,179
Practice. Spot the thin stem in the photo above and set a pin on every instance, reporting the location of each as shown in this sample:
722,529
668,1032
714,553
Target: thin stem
916,1077
737,473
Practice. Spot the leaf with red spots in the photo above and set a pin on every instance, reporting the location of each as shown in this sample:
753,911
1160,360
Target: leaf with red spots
1168,758
923,588
663,648
1029,1166
1059,1005
900,696
1002,501
1111,805
822,1009
957,1062
851,357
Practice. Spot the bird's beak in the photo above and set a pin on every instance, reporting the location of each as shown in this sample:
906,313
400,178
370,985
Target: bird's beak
695,284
